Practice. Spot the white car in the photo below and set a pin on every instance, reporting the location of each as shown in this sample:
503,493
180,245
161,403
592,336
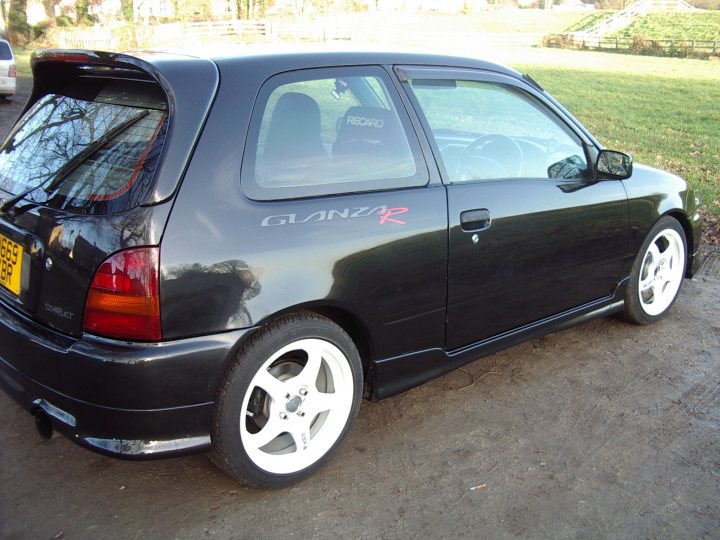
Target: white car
8,75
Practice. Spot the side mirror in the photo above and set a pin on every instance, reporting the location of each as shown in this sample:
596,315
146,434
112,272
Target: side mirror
614,165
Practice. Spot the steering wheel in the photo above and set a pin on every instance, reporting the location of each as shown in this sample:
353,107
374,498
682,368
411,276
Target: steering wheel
490,156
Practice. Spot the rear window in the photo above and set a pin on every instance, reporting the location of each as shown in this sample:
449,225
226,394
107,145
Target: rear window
85,156
5,51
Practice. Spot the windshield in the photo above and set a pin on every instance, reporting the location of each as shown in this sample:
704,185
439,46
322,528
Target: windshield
83,156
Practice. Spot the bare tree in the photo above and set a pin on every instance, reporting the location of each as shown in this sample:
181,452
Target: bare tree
49,7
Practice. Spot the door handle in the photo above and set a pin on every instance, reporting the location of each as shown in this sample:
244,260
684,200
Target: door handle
475,220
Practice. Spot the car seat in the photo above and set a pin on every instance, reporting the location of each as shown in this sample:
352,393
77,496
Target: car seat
370,141
294,153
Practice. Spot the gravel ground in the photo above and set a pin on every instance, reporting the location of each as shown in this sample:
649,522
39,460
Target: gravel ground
607,430
10,109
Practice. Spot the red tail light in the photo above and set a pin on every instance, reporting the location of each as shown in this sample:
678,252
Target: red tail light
124,300
12,72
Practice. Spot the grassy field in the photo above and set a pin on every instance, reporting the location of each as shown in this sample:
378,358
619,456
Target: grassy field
502,20
22,61
525,20
700,26
588,21
664,111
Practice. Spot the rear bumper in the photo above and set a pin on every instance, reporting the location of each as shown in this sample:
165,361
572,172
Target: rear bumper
125,399
7,86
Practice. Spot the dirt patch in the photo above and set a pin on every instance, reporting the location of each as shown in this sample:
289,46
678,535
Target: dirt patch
711,231
603,430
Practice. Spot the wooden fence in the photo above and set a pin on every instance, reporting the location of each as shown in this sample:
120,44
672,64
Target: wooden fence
637,45
385,32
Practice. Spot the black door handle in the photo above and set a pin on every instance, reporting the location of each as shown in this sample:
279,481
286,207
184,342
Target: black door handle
475,220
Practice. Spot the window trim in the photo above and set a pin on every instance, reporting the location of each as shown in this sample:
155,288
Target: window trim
253,191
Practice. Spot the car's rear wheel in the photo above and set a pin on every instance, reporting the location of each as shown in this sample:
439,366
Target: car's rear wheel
657,273
287,402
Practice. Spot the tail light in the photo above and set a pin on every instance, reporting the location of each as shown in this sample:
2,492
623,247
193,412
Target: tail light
123,300
12,71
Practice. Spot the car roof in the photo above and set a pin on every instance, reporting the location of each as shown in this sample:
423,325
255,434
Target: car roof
293,55
265,59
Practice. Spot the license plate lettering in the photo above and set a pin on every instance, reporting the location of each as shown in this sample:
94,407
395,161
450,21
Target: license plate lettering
10,264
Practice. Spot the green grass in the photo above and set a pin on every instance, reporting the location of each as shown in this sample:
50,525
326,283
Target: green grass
525,20
686,26
590,20
22,61
534,21
664,111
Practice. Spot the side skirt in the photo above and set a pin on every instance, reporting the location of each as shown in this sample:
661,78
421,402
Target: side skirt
394,375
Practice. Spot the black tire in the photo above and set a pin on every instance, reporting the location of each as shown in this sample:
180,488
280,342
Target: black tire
666,237
244,410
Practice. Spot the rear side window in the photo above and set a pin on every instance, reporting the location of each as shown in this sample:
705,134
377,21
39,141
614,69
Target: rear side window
85,156
326,131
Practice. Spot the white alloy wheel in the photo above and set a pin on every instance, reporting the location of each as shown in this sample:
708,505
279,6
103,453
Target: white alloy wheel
661,272
292,414
287,402
657,273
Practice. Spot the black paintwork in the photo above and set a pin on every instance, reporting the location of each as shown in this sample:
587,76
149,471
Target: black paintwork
419,297
554,250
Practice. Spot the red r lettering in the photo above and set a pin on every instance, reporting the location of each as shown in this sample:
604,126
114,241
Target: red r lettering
386,215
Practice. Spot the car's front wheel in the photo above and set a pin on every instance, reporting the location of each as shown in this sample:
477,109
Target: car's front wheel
657,273
287,402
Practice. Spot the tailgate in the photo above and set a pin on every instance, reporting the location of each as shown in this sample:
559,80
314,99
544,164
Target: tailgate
90,169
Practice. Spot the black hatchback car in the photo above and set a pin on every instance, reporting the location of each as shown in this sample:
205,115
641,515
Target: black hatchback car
228,253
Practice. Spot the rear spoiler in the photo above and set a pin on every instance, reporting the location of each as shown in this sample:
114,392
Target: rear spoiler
54,69
189,84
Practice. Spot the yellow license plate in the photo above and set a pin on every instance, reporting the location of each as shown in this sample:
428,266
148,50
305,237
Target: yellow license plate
11,255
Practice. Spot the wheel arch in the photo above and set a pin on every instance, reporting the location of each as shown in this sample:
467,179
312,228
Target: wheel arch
681,217
350,322
235,448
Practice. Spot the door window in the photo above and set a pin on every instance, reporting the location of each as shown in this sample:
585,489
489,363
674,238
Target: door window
489,131
324,131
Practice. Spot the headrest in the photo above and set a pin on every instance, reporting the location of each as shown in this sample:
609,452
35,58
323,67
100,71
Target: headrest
294,128
294,153
371,135
368,124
